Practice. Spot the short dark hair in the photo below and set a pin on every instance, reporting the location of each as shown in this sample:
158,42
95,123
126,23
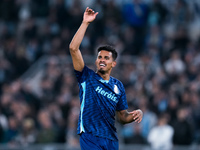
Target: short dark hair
110,49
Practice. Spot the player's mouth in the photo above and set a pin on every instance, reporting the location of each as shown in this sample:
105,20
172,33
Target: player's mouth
102,65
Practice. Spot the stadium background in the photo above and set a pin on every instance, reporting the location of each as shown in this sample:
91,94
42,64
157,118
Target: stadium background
159,46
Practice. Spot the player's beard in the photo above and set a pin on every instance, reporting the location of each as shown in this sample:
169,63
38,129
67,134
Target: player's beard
102,71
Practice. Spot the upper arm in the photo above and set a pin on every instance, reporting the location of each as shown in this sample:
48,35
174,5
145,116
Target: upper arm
77,60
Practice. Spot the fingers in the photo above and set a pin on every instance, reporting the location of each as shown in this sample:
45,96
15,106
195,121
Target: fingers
137,115
86,9
90,11
96,14
138,120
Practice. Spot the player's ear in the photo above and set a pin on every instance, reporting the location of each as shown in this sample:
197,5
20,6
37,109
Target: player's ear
114,63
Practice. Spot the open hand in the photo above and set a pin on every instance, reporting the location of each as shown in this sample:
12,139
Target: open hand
89,15
137,115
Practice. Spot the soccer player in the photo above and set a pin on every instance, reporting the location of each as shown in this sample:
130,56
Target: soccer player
101,95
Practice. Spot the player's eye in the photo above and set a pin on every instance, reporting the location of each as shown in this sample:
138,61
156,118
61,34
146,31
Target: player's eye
107,58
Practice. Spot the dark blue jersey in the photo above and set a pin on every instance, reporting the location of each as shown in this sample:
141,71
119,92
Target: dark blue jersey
99,100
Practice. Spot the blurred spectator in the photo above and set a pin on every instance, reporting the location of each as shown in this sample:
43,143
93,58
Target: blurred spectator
195,112
71,134
174,65
182,128
59,10
24,9
22,62
161,136
12,131
181,40
33,51
149,118
28,134
47,132
30,30
111,11
3,126
47,93
172,108
137,137
32,100
75,12
181,13
159,102
135,15
5,70
155,37
157,13
130,41
6,100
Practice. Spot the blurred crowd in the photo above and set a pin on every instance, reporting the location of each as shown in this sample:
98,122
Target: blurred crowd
159,46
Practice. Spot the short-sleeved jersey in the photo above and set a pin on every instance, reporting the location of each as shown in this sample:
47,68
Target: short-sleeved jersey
99,100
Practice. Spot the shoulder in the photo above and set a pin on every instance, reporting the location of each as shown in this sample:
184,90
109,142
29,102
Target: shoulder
84,74
85,69
117,83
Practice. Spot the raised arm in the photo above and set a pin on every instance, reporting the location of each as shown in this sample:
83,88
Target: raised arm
127,117
77,59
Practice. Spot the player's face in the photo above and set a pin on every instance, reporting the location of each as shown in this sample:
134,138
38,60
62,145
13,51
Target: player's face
104,61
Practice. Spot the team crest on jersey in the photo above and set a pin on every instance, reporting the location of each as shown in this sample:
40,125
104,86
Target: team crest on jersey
116,90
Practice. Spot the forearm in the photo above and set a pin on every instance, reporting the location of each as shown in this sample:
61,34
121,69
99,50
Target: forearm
89,16
78,37
126,118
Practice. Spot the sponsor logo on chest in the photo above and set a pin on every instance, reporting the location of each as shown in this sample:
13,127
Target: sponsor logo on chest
109,95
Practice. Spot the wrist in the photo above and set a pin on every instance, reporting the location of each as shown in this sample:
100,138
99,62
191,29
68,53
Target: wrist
85,22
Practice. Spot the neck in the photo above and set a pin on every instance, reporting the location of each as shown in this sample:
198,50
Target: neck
105,76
